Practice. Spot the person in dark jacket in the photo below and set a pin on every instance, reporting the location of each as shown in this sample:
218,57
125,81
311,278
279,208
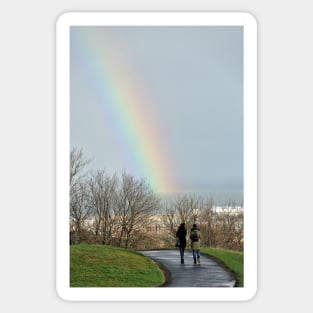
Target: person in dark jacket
181,235
195,237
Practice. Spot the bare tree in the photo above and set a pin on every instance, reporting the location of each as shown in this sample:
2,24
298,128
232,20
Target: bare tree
170,221
238,231
103,199
182,209
79,211
137,203
230,228
79,207
208,224
77,165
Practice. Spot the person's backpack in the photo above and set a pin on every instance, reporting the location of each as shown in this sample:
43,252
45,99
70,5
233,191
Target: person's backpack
194,236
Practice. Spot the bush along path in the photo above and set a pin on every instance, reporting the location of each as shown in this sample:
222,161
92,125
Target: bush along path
206,274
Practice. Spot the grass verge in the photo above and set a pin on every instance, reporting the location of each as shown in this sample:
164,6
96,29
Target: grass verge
232,260
106,266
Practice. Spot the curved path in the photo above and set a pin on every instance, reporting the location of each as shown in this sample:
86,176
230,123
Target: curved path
207,274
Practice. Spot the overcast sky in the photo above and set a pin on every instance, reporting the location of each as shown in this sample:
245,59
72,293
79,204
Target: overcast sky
187,81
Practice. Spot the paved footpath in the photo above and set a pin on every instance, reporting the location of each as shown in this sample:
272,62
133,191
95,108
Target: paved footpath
207,274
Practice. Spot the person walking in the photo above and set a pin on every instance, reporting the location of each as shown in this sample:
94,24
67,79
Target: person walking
195,237
181,236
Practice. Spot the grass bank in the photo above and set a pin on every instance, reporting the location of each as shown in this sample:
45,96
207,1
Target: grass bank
232,260
106,266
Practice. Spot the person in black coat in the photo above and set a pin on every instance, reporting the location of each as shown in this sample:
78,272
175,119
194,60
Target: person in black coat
181,235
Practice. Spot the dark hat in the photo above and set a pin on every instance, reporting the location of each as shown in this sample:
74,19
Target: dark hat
194,225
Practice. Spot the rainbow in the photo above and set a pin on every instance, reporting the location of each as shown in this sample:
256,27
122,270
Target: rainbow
126,105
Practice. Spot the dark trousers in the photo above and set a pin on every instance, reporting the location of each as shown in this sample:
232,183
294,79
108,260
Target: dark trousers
182,252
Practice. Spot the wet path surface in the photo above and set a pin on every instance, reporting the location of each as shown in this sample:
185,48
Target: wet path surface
207,274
